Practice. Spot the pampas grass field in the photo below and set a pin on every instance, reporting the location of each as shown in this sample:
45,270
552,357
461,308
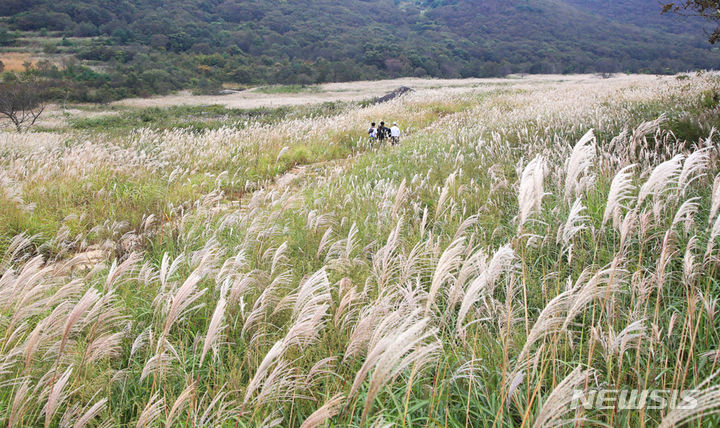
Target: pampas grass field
524,242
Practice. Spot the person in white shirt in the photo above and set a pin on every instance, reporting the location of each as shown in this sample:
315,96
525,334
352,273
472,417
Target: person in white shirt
394,134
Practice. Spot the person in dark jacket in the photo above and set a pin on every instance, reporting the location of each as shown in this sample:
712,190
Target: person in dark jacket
383,132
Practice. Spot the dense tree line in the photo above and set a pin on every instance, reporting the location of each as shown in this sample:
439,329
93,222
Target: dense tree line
155,46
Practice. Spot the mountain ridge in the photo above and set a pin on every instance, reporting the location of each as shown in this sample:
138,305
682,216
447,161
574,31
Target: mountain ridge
202,43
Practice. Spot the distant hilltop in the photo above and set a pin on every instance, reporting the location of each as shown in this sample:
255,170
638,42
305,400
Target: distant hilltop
151,46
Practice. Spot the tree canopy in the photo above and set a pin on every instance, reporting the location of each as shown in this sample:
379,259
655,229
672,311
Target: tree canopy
708,9
143,47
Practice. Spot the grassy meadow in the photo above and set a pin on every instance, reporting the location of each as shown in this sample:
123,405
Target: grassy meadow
218,267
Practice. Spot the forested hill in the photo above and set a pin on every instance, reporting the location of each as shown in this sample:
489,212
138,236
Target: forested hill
168,44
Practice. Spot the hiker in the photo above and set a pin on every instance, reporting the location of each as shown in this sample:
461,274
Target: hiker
383,132
372,132
394,134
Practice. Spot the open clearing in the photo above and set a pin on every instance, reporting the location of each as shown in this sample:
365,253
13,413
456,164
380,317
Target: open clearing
529,239
14,61
349,91
57,117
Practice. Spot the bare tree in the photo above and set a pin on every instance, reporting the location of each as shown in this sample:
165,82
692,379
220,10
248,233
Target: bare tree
708,9
21,101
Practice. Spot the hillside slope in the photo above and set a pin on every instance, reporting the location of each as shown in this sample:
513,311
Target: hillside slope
166,44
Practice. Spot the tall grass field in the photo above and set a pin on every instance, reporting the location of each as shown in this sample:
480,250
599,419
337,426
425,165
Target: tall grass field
529,247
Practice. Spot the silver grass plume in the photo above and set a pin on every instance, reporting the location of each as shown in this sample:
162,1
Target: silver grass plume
549,322
216,324
560,312
20,402
689,266
662,177
471,268
667,252
272,420
44,331
714,233
601,285
445,195
574,224
91,413
319,372
327,411
141,340
706,402
530,193
310,310
686,212
349,305
56,396
557,405
694,168
157,362
577,177
280,384
484,284
108,345
168,269
324,242
400,196
710,305
85,303
449,262
638,141
365,327
217,412
401,345
384,262
117,271
152,411
279,257
180,403
616,344
515,382
180,302
620,191
465,226
262,371
715,204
